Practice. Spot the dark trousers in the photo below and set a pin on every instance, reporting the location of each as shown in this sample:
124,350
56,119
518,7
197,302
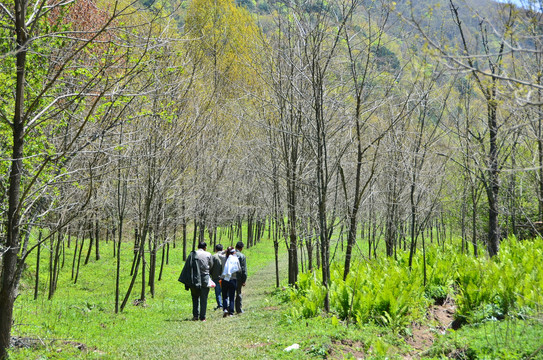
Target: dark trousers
228,294
218,292
199,302
238,297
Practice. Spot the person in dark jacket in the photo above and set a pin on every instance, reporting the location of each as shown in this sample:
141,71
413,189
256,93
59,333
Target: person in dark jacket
190,275
216,271
241,276
195,276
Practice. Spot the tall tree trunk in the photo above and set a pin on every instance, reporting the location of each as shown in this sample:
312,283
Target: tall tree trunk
75,255
493,185
143,271
10,275
194,235
152,264
113,232
51,270
540,149
162,260
54,266
135,250
167,253
184,231
309,245
134,276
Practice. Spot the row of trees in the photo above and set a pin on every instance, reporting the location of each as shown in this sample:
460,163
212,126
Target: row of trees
324,123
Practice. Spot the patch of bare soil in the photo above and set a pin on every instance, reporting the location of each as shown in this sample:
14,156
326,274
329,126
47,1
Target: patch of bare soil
440,318
77,345
422,337
344,347
26,342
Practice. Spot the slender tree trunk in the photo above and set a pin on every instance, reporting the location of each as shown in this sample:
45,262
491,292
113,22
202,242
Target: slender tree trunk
540,150
79,259
75,255
167,253
133,281
63,253
152,264
51,269
164,256
194,235
493,186
184,231
118,265
114,243
54,267
424,258
309,245
137,245
97,240
143,272
37,282
91,241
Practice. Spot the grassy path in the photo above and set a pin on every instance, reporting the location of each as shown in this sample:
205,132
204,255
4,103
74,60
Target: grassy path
79,323
254,334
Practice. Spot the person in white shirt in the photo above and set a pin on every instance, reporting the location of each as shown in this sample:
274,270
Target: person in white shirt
229,281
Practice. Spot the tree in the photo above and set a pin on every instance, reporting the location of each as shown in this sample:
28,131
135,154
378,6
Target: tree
60,76
365,70
487,66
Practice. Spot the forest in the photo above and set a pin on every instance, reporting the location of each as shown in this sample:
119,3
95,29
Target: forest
382,162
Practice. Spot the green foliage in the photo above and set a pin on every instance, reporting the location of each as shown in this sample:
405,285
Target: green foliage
508,339
386,292
492,289
38,144
387,58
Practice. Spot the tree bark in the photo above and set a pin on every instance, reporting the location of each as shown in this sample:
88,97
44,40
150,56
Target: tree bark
10,280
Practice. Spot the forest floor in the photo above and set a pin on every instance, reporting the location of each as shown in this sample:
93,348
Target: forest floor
253,334
79,322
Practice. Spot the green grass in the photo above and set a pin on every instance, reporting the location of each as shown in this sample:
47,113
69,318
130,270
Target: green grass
82,315
79,322
84,312
508,339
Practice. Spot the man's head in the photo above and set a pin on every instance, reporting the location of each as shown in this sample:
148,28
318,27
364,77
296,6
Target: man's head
218,247
239,245
202,245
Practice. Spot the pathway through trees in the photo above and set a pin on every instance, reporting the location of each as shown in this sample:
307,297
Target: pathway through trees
241,336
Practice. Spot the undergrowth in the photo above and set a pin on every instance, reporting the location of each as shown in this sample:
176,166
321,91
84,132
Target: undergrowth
387,292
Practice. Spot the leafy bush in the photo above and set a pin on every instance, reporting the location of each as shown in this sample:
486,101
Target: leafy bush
389,293
494,288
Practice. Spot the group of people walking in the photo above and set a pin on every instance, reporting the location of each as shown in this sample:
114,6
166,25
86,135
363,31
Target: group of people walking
226,271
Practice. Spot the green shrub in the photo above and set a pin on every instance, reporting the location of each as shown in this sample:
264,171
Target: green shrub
389,293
